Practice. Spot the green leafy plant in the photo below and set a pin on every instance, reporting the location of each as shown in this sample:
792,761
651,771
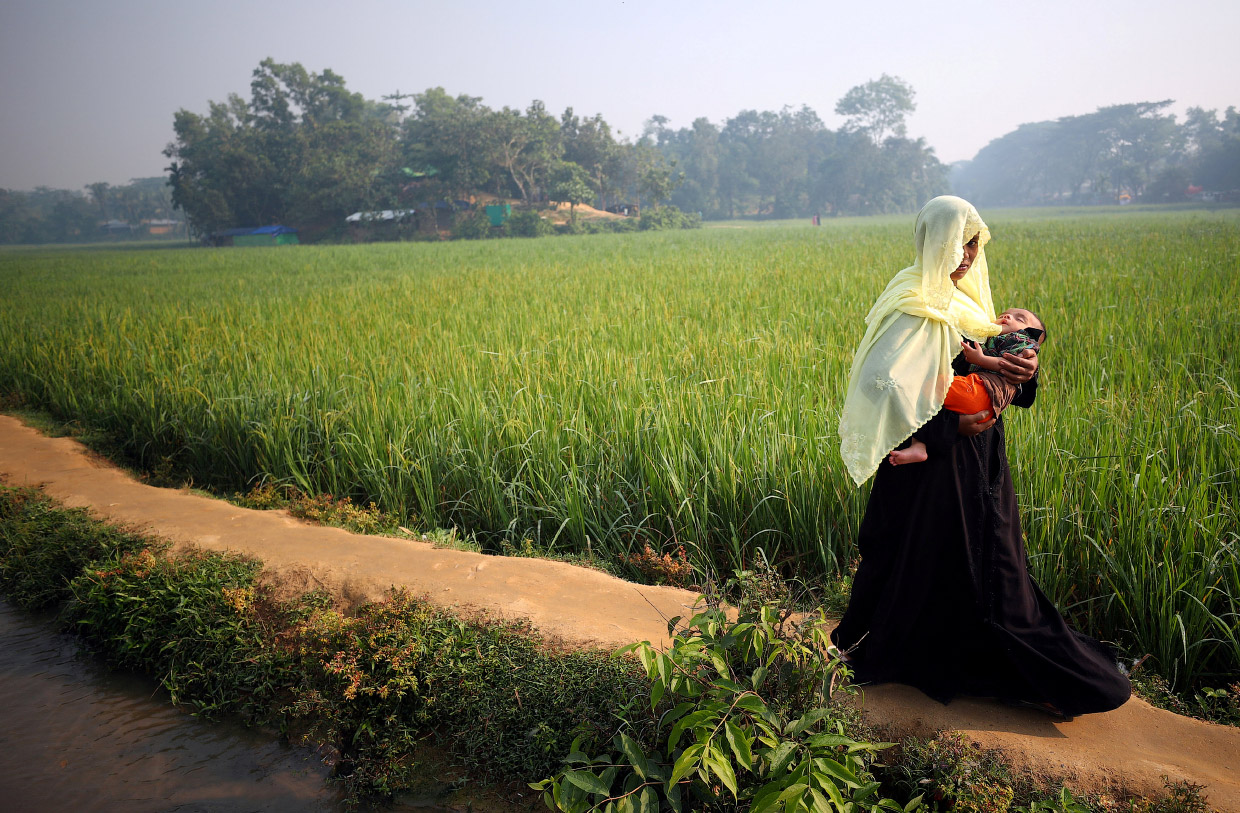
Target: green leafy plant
473,226
1181,797
190,620
662,218
376,686
527,223
1218,704
325,509
43,547
952,772
1063,802
743,720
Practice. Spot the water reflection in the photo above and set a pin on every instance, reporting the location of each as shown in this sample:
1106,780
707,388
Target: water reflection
77,737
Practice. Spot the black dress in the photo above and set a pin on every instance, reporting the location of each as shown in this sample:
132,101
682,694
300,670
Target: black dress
943,599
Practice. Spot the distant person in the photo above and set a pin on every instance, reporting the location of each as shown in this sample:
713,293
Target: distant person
942,599
984,389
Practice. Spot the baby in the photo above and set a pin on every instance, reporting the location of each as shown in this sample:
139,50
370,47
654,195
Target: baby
984,389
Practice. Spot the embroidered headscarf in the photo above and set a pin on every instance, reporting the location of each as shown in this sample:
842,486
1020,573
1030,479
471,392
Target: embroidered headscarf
902,368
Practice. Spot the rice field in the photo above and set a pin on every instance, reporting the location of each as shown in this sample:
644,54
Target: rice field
607,392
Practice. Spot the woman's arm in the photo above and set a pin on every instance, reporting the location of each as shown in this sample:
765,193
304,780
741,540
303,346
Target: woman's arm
942,431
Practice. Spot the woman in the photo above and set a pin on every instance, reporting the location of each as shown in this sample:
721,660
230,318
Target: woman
943,599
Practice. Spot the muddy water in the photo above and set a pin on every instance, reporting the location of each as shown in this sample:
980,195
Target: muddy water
74,736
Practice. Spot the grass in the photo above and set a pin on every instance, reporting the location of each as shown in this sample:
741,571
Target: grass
953,773
610,393
373,690
44,547
369,690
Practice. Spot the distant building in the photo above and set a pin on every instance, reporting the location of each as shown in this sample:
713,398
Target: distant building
161,227
116,228
384,216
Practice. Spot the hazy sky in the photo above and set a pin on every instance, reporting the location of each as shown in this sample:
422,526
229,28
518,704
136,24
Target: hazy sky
89,87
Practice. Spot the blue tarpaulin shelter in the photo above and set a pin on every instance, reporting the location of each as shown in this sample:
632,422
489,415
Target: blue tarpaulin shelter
256,236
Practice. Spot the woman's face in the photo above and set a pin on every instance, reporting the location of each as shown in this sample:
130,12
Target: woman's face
970,254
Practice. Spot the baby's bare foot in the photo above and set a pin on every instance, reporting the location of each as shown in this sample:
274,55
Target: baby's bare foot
915,453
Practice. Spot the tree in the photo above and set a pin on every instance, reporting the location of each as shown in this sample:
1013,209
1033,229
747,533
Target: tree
782,159
1170,185
303,148
569,184
1216,162
589,144
878,107
526,147
446,146
788,164
656,176
1090,158
99,195
154,197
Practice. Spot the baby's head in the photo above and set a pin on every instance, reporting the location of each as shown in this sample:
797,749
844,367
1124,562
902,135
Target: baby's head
1014,319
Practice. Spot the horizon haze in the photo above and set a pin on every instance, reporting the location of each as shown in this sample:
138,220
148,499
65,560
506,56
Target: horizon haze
89,91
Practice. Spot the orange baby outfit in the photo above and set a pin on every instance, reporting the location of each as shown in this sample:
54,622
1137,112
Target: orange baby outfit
967,395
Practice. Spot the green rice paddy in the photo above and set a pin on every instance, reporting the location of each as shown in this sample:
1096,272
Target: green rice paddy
606,392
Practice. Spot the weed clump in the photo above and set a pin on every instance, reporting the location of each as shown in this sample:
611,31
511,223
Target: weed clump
376,685
326,509
44,546
673,569
192,620
1219,704
370,689
950,772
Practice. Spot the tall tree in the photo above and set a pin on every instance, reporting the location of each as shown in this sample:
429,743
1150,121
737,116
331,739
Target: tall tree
589,144
99,195
304,147
878,108
525,147
569,183
698,150
447,145
1217,165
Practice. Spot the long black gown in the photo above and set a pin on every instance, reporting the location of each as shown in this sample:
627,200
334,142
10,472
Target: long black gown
943,599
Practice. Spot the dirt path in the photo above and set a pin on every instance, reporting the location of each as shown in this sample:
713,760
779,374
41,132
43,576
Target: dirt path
1133,746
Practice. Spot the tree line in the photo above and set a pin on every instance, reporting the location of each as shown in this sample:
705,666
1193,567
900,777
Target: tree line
304,150
1120,153
65,216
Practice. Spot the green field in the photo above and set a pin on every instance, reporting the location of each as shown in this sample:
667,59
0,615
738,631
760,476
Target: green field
682,388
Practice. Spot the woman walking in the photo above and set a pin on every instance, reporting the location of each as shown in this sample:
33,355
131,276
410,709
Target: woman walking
943,599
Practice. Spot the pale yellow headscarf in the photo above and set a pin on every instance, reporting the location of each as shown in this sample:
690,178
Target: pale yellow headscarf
902,368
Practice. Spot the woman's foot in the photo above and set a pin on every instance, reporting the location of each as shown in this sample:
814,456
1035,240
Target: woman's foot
915,452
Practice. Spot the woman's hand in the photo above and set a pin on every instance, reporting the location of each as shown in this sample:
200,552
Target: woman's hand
1019,367
975,424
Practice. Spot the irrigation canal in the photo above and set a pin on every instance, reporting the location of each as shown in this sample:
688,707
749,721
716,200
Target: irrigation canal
79,737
